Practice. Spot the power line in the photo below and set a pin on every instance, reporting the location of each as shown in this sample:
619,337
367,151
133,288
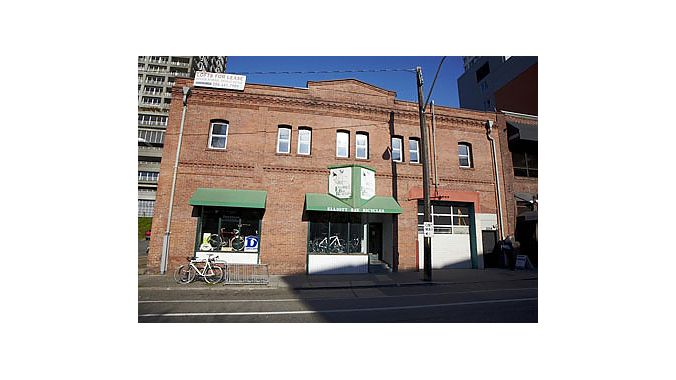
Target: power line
322,71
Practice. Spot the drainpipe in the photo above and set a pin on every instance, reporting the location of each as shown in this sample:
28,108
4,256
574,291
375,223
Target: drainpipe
434,147
165,244
489,128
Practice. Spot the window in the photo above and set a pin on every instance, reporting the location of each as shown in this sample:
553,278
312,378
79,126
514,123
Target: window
148,176
447,218
413,150
482,72
146,207
218,135
227,229
304,140
152,137
284,140
336,233
342,144
362,145
465,155
396,149
525,164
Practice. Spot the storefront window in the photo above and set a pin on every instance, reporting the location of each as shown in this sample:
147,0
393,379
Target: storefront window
228,230
336,233
446,218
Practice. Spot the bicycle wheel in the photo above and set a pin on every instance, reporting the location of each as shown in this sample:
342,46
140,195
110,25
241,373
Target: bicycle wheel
182,274
213,275
215,241
237,243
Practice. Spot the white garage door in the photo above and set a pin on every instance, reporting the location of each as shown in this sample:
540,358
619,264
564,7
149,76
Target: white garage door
451,241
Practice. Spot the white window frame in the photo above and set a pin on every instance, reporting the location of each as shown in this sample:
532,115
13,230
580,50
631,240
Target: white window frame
364,137
468,155
400,150
347,143
304,131
279,139
211,134
417,150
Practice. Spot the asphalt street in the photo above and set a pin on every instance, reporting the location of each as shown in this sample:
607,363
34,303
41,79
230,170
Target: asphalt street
509,301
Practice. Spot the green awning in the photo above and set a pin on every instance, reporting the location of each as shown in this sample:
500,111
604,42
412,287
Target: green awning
228,198
376,205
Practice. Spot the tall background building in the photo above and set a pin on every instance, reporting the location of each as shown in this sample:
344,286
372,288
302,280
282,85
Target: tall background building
156,76
485,77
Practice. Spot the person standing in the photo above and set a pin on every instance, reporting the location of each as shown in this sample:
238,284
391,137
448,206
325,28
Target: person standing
508,250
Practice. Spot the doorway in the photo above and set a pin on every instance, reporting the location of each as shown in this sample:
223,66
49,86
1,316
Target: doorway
375,241
489,239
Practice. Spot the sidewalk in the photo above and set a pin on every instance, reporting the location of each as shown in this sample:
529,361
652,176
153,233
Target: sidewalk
441,276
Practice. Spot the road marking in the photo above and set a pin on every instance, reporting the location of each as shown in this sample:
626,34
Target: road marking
331,299
335,310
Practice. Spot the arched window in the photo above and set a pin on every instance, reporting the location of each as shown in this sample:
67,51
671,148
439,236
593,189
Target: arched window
397,149
465,155
284,139
304,140
218,134
414,150
342,144
362,149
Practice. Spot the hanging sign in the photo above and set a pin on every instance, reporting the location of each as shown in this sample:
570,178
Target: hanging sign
340,182
220,80
368,184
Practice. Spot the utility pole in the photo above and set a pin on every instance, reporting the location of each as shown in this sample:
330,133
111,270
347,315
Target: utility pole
427,219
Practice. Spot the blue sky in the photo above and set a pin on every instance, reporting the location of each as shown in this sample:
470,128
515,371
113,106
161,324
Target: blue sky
402,82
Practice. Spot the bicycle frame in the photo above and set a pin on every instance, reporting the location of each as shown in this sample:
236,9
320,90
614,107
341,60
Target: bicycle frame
206,271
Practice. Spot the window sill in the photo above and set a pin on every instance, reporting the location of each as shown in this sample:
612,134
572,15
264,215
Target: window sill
465,168
215,150
283,154
344,158
363,159
304,155
415,163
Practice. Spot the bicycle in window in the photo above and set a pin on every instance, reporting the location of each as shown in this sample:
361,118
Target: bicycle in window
226,238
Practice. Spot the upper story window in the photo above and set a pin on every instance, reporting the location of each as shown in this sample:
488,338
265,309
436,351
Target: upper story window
342,144
397,154
284,139
414,150
465,155
362,142
525,164
218,134
304,140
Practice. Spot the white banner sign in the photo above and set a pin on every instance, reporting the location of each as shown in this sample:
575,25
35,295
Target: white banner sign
340,182
220,80
368,184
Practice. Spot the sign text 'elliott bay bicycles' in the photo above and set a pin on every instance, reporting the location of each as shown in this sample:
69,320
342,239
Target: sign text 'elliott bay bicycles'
220,80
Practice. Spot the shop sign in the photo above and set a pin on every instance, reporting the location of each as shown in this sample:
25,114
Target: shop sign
340,182
220,80
368,184
357,209
521,261
251,244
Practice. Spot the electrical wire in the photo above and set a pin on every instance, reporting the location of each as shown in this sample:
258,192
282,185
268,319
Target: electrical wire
320,71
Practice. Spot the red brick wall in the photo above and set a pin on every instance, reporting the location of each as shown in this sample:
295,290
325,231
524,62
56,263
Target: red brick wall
250,161
520,94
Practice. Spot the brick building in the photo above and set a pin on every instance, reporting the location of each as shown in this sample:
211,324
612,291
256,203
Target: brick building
518,135
323,179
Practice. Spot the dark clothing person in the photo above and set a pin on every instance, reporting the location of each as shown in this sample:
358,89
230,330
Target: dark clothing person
508,250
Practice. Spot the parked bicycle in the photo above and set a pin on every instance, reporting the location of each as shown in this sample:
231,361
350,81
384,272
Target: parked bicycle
206,269
232,239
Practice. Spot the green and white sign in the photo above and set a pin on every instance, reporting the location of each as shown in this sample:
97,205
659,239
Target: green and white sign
340,182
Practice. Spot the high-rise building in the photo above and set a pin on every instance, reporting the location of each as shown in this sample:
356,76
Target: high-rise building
156,76
485,76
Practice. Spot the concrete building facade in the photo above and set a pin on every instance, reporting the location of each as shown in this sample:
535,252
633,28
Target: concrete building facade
484,76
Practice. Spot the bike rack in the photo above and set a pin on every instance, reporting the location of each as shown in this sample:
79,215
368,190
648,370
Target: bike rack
241,274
